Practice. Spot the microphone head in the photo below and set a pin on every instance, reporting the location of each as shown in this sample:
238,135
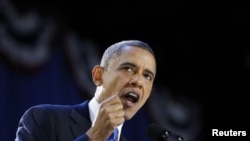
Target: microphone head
157,133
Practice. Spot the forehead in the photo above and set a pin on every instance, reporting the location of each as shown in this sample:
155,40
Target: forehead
137,55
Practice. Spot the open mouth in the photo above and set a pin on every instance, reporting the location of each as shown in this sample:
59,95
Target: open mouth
131,98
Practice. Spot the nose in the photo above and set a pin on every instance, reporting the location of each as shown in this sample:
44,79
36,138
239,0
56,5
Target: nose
136,81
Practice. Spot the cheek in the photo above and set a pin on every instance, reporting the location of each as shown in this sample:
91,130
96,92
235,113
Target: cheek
147,90
114,83
147,93
144,99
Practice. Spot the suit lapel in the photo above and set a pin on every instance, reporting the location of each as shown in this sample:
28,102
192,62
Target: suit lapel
80,114
122,138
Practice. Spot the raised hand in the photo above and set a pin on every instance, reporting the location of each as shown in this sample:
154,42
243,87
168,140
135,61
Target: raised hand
111,115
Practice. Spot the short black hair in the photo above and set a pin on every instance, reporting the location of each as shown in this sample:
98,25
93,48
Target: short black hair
116,48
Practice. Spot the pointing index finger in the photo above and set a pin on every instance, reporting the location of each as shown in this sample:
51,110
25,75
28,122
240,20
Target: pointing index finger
111,100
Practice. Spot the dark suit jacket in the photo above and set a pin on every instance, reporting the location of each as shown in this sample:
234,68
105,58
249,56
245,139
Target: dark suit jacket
55,123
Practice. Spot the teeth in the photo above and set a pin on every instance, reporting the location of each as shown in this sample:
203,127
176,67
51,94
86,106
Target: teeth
134,95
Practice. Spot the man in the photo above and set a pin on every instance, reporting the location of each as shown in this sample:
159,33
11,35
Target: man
124,81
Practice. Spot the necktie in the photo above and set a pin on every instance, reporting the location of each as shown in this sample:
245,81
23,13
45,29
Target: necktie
114,136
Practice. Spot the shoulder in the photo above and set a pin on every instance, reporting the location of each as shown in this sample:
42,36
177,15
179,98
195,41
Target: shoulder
48,110
55,109
48,107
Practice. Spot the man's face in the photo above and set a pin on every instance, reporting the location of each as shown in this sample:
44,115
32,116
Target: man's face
129,75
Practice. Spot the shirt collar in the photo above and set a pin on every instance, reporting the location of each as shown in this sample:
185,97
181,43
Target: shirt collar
94,107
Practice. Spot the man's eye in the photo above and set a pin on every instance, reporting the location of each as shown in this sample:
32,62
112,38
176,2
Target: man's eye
128,69
147,76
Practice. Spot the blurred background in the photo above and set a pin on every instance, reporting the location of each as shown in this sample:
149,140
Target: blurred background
48,48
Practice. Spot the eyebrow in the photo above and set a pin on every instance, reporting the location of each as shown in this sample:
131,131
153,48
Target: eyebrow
134,65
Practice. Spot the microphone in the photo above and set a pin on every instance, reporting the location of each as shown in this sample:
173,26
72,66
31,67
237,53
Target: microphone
158,133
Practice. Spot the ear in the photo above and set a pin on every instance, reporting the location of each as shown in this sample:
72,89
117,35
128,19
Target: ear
97,72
